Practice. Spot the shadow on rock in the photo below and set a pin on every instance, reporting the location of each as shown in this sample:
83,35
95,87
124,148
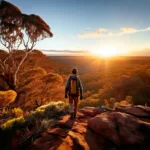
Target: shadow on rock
54,137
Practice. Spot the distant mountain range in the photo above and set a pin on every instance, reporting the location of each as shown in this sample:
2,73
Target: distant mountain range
143,52
66,52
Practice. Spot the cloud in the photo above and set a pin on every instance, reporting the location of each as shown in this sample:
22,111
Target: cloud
102,32
129,30
110,34
132,30
147,29
89,35
95,34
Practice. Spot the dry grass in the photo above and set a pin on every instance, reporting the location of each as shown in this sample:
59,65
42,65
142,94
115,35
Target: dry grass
17,112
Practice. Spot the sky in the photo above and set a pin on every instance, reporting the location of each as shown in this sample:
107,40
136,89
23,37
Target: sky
94,25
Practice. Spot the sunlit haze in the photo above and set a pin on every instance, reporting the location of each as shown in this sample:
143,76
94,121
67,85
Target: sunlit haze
107,51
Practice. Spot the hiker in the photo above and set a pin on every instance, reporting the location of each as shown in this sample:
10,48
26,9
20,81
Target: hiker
73,90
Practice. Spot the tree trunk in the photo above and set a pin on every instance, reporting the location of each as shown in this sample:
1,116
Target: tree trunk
10,78
18,67
9,82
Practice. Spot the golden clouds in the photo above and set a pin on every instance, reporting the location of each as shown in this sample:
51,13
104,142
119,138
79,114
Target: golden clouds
102,32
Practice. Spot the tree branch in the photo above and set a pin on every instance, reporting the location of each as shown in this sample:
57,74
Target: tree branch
26,43
19,43
18,67
33,44
6,59
2,65
3,42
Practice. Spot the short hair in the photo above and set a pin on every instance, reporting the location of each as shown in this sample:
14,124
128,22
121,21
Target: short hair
74,71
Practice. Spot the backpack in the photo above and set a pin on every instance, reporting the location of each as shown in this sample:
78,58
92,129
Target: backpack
73,90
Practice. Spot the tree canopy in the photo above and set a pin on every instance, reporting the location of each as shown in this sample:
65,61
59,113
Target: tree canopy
15,24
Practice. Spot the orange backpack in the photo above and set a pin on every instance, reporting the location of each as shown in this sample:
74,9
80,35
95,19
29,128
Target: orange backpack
73,86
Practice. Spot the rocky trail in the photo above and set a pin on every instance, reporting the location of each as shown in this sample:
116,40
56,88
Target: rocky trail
94,129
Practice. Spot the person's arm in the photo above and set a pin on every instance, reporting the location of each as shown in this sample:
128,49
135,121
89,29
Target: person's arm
67,88
81,88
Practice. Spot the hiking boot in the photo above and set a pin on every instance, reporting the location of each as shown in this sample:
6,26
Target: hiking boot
75,115
72,115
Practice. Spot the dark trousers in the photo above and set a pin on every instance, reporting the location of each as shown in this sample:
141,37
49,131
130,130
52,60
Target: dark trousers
74,100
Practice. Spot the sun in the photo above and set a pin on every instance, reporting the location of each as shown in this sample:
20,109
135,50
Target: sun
107,51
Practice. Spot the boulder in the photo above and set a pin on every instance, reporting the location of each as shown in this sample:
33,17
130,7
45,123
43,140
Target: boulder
91,111
120,128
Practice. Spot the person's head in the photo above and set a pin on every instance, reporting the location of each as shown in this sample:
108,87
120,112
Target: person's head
74,71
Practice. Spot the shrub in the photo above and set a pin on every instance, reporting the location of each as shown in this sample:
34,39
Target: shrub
17,112
46,123
122,103
7,97
31,74
53,109
13,123
39,91
129,99
48,111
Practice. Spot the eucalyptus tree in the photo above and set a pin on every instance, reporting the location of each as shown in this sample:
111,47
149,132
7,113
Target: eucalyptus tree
18,29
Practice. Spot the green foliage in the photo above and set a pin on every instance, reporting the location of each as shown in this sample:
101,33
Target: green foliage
49,111
45,112
46,124
35,122
14,25
13,123
53,109
35,27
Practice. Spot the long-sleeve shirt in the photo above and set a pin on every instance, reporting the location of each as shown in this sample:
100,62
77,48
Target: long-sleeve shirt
79,84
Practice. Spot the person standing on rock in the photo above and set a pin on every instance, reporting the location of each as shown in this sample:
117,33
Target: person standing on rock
73,89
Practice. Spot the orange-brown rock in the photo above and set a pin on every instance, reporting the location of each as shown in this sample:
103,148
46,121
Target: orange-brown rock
138,111
120,128
106,131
